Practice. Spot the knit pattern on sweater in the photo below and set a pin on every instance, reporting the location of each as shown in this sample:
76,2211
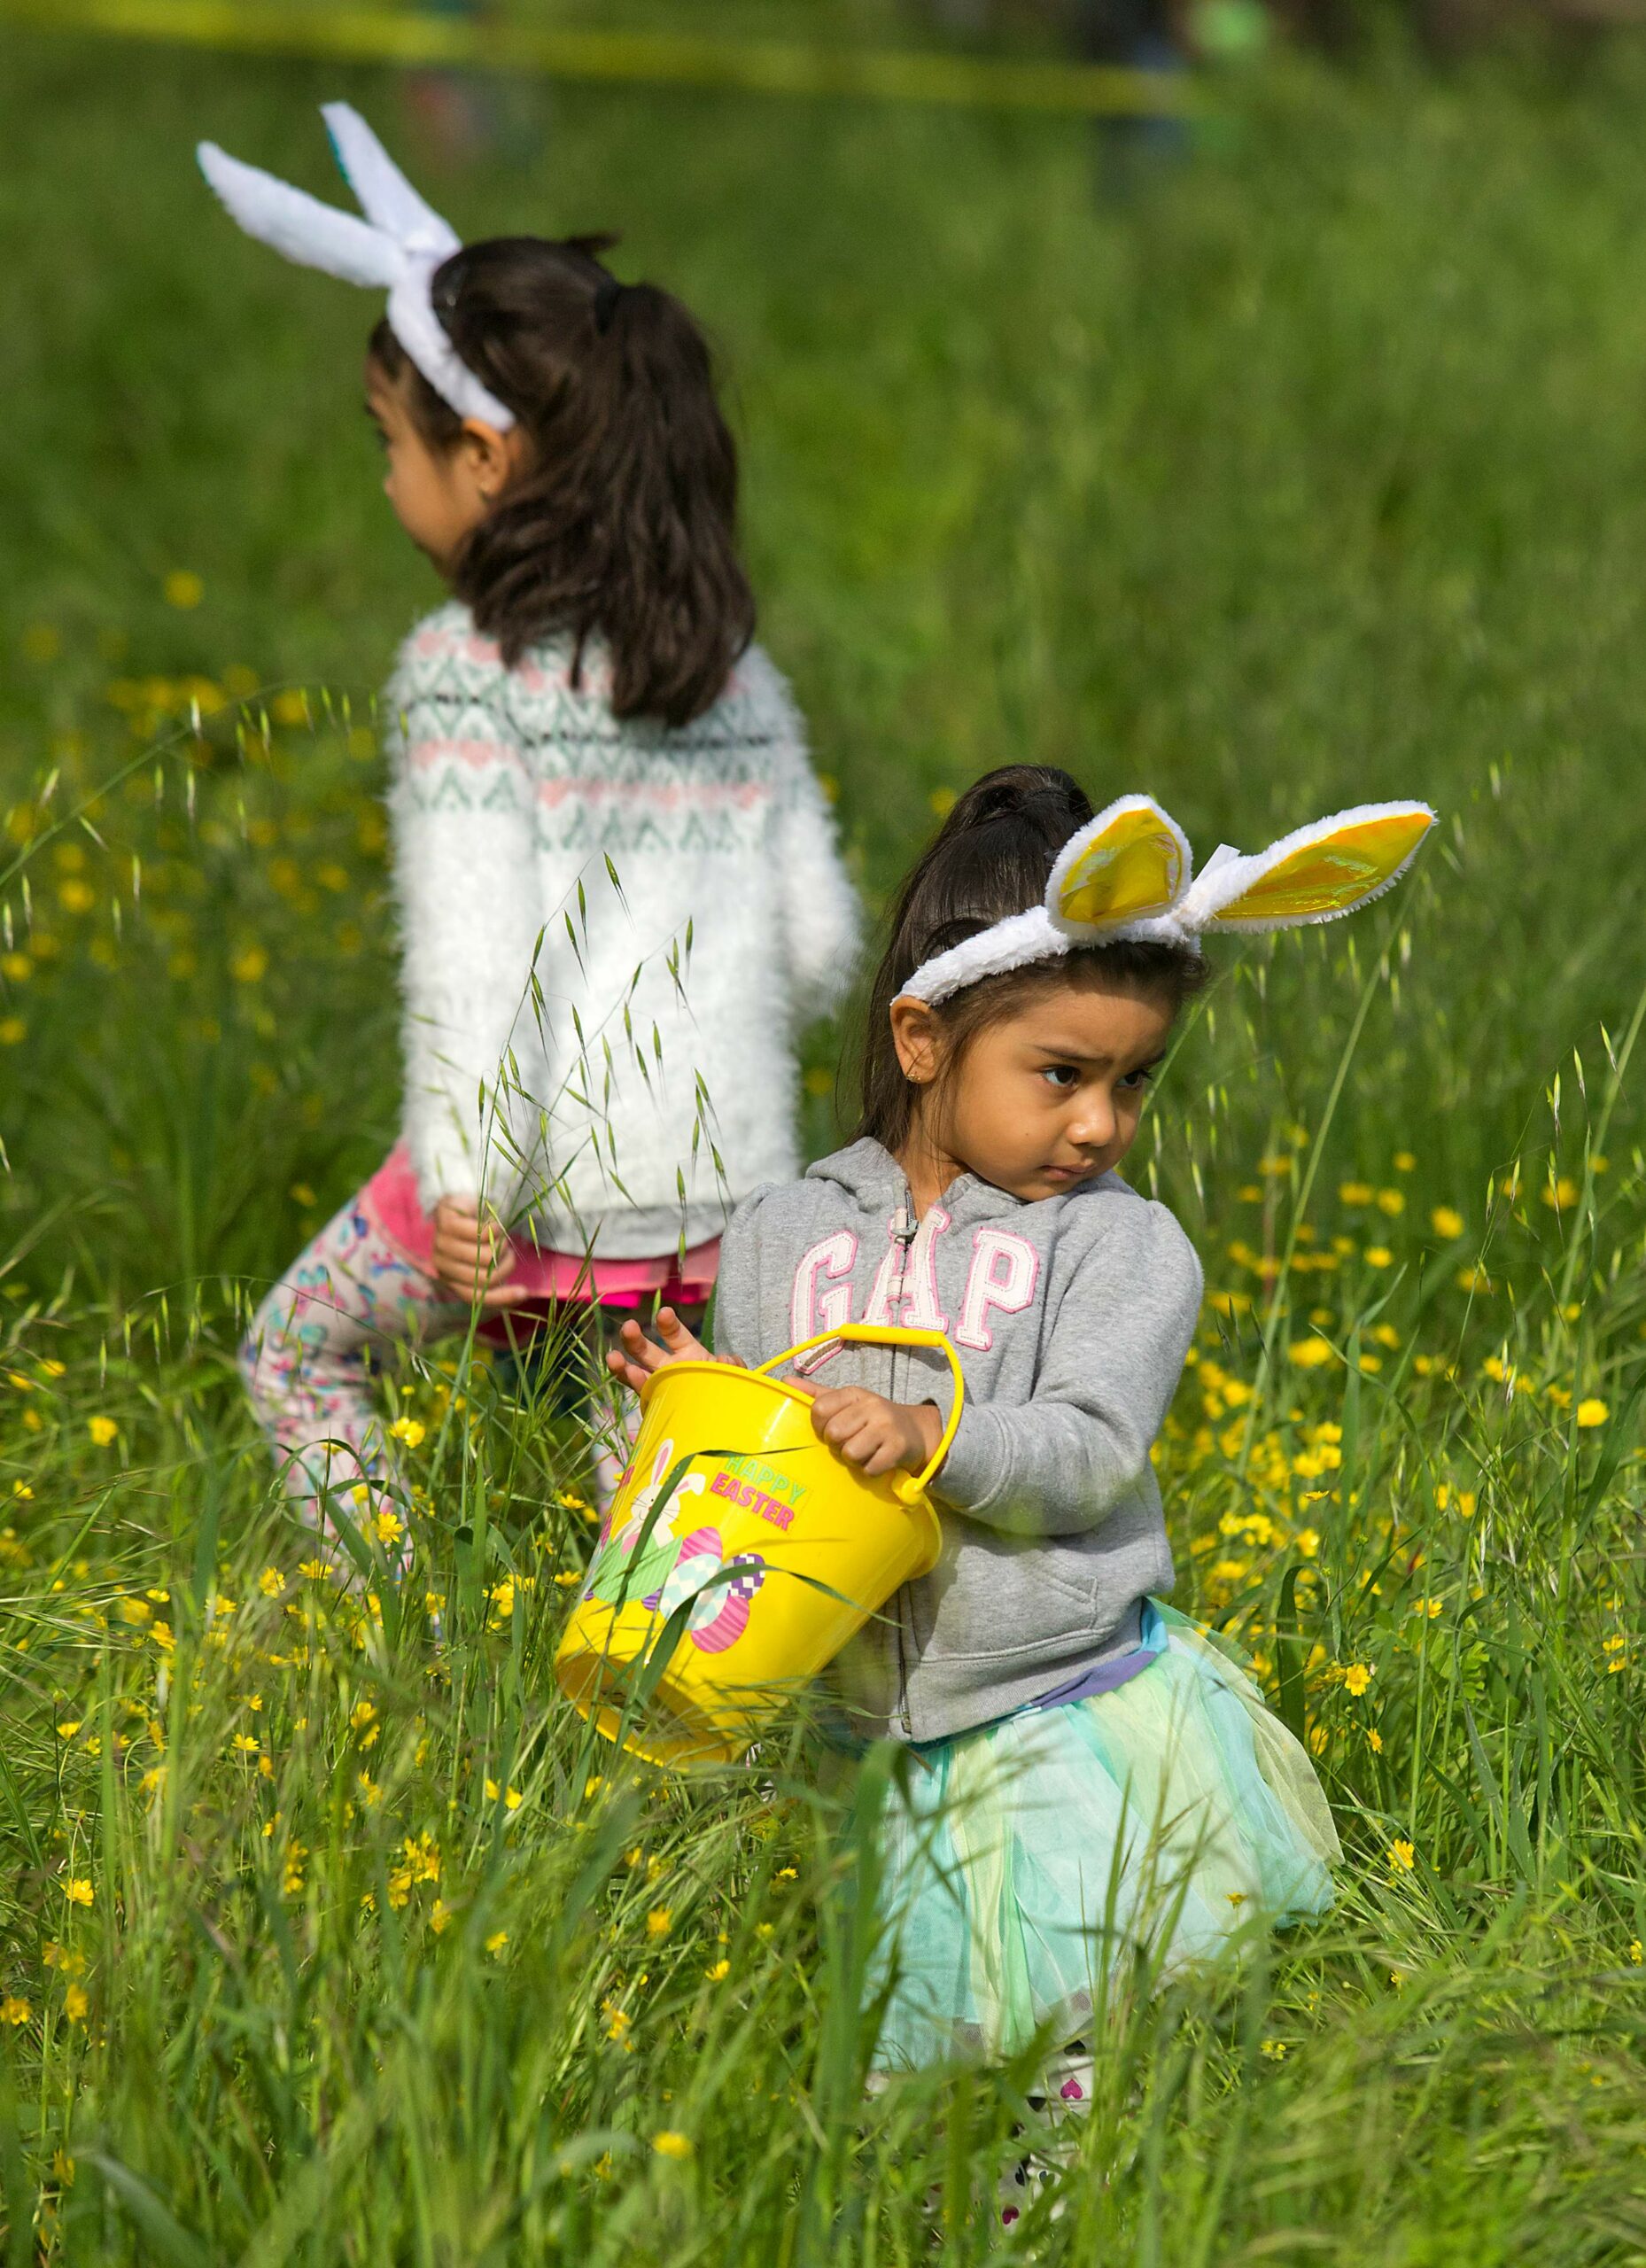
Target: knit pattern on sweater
627,921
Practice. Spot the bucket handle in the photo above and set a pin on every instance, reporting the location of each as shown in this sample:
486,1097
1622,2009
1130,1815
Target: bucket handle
909,1486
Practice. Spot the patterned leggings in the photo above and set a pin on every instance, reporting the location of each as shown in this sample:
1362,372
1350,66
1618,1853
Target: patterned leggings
350,1300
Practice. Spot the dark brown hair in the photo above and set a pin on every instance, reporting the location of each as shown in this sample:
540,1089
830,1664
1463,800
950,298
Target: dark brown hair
990,859
624,522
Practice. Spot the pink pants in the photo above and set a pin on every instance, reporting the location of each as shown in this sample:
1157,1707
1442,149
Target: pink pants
362,1289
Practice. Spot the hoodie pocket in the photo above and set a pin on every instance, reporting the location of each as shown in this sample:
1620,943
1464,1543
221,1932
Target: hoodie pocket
988,1597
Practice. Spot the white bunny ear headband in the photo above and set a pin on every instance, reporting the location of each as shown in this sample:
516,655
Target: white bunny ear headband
1128,873
398,246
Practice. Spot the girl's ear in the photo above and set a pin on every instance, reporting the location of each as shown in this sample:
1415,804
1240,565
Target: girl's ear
1316,873
915,1035
490,459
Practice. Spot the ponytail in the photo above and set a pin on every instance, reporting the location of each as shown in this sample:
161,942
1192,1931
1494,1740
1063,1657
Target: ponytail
623,524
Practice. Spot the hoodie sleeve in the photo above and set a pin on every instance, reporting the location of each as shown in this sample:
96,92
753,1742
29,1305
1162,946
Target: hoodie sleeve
1060,1463
737,1287
823,919
462,821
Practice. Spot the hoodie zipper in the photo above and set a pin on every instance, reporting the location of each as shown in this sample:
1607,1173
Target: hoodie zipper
904,1229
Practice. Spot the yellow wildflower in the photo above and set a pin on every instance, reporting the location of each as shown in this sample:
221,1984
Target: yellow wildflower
1355,1192
1275,2050
668,2144
1592,1412
718,1971
1561,1194
1402,1858
1309,1354
1404,1161
408,1431
14,2009
244,1744
495,1942
1447,1221
102,1429
78,1890
183,589
1391,1201
1378,1256
659,1922
1374,1740
75,2003
1357,1677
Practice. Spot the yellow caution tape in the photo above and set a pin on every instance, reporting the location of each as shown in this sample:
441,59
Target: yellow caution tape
758,66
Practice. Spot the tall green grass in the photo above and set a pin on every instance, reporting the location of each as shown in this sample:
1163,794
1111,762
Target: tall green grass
1312,473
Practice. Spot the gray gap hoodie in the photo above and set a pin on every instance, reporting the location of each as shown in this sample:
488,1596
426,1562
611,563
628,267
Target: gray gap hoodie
1071,1318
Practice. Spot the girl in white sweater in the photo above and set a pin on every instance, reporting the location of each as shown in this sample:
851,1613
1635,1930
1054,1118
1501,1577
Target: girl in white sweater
617,879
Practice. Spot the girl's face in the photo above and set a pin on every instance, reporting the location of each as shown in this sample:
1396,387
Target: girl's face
1045,1100
439,495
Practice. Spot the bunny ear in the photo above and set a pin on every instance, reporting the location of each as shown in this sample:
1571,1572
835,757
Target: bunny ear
386,196
1130,863
1329,868
298,225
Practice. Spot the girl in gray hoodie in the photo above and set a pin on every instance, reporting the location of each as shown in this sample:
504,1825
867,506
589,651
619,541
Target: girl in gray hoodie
1088,1773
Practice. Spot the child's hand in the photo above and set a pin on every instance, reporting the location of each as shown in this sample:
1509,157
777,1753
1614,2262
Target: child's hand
881,1436
639,1356
473,1258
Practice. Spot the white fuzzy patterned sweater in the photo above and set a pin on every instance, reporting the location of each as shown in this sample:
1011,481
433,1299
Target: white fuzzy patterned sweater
648,1082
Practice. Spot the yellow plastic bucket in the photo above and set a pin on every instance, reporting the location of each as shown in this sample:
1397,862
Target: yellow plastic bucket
738,1557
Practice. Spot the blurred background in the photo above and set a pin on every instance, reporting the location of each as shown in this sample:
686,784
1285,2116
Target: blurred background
1244,402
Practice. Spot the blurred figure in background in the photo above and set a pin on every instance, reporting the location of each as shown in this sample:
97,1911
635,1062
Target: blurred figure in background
1133,35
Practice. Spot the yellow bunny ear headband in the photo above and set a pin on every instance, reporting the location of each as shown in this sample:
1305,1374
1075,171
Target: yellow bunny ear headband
1129,874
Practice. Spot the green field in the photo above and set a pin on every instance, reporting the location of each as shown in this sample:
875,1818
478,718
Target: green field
1315,471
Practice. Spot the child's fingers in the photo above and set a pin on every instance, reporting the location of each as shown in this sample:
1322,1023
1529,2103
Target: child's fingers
853,1422
643,1353
504,1295
481,1248
829,1401
681,1343
630,1373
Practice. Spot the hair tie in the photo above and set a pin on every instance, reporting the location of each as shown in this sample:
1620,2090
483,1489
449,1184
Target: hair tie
607,294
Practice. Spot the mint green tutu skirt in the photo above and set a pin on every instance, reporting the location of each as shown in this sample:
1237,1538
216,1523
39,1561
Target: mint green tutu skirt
1026,1862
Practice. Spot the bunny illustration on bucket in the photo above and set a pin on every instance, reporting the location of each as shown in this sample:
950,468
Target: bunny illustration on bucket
660,1570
